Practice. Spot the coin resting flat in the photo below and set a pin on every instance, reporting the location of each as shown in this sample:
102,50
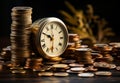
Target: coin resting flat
86,74
60,65
103,73
45,74
61,74
77,69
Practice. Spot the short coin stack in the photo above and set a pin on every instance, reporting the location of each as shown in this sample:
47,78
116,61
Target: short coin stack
75,38
83,55
33,63
20,34
73,43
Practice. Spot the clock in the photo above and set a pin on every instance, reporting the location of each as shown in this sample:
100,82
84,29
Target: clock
50,36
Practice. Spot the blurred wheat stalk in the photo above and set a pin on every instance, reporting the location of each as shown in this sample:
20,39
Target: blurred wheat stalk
86,24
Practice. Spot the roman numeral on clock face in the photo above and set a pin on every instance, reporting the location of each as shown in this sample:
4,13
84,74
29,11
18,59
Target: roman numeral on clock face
60,44
56,48
52,26
43,45
43,40
61,37
60,32
47,50
47,28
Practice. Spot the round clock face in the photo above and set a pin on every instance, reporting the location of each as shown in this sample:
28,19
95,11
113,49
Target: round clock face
51,37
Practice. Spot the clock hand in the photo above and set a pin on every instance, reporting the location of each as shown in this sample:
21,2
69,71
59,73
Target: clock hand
52,40
52,35
52,47
48,36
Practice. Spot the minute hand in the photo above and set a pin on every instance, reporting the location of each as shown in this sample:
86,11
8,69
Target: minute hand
47,35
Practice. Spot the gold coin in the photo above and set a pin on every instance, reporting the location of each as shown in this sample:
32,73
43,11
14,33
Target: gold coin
19,9
77,69
73,72
103,73
86,74
112,66
118,68
18,71
68,61
61,74
56,59
76,65
45,74
60,66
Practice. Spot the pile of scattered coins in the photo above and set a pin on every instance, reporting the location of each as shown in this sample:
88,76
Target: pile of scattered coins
65,67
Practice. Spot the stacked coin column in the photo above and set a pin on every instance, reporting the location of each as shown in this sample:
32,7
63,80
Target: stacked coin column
73,43
20,34
75,38
83,55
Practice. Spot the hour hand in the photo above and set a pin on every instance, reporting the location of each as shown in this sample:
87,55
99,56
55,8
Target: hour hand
47,35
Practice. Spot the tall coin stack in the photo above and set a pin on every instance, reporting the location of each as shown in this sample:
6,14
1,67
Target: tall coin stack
20,34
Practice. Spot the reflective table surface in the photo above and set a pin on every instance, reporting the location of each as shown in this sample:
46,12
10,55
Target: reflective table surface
8,77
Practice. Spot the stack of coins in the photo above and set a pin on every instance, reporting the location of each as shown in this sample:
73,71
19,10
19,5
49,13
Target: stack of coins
105,50
69,52
74,43
116,50
100,47
97,56
6,53
27,63
20,34
1,65
34,64
75,38
83,55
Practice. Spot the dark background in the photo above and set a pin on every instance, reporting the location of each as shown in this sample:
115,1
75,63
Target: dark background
108,9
